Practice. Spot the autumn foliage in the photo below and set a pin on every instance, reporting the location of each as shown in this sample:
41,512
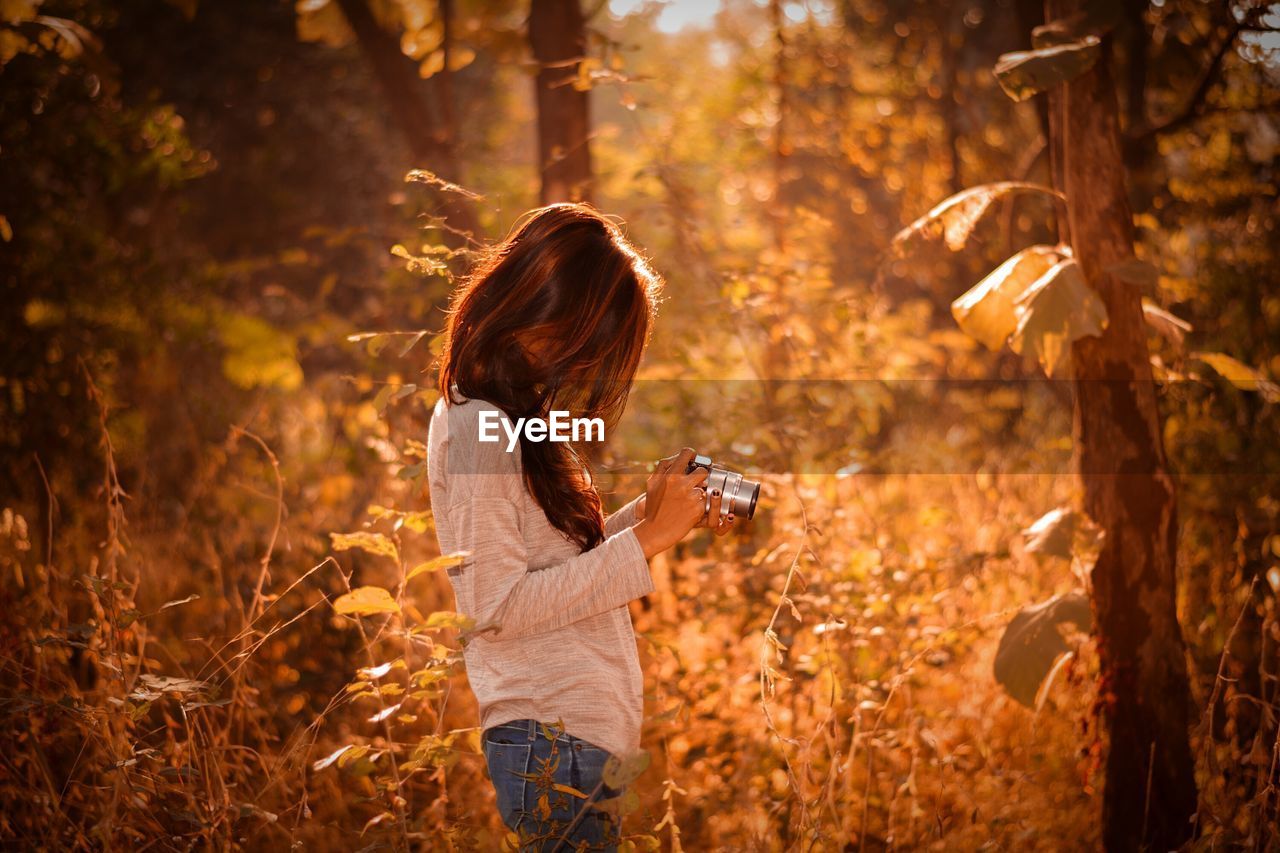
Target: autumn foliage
229,231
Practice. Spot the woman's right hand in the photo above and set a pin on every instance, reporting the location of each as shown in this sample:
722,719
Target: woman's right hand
674,503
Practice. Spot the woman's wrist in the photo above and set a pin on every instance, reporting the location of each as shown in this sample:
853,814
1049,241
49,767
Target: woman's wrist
640,507
648,539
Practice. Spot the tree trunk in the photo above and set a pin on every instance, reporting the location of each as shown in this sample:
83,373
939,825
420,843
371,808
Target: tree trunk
430,142
1150,792
557,35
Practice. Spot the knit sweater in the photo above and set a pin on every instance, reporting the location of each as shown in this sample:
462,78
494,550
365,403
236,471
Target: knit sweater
553,639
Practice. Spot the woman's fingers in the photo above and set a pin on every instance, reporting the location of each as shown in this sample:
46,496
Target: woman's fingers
725,525
712,518
696,477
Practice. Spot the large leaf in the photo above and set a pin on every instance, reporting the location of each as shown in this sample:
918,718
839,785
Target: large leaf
1030,72
1033,641
1056,310
620,771
1240,374
366,601
953,220
988,311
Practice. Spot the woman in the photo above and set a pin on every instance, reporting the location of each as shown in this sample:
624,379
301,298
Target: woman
554,319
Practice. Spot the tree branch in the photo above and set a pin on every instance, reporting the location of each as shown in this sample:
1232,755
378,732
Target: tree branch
1194,107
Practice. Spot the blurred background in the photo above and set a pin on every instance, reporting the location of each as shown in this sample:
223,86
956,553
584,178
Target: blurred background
228,229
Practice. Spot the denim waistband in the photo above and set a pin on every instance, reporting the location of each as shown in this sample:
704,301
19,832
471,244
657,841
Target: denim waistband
532,729
528,727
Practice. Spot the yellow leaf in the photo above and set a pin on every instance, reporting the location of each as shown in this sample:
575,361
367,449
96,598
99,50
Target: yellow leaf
1058,309
620,771
954,219
374,543
460,57
257,354
569,789
332,757
365,601
432,64
444,561
1028,72
988,312
1240,374
449,619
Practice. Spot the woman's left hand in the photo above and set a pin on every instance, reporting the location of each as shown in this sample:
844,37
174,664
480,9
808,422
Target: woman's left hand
720,524
652,497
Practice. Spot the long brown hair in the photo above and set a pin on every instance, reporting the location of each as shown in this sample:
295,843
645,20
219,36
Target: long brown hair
569,282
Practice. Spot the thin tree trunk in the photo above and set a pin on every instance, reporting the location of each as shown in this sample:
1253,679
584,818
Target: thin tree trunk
952,42
1150,792
430,142
557,35
781,146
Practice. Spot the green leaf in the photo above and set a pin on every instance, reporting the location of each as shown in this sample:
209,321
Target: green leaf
955,218
445,561
365,601
1056,310
1033,641
1240,374
373,543
988,312
1025,73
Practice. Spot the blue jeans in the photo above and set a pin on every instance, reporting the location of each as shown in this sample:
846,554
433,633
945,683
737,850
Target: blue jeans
538,772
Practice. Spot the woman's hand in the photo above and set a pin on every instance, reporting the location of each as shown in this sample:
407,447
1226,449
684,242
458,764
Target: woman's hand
674,503
720,524
657,481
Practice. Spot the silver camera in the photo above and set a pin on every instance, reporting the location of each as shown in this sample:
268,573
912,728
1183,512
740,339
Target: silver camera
738,495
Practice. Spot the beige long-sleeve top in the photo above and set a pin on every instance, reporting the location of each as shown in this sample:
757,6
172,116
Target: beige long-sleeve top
553,637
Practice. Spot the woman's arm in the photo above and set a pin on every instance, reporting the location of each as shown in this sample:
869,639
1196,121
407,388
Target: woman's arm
511,601
626,516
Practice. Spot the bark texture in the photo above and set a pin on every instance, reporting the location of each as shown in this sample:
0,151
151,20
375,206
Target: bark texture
557,35
1150,793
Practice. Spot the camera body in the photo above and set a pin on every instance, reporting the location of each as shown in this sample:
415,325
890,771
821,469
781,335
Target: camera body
738,495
